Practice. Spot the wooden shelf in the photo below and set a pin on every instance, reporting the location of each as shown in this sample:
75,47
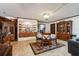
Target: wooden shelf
64,30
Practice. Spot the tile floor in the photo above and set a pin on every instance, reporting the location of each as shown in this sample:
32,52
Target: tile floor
22,48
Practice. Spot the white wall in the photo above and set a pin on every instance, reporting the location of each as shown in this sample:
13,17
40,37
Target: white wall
47,28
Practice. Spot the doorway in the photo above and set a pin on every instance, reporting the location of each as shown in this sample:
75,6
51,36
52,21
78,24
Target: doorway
52,28
41,28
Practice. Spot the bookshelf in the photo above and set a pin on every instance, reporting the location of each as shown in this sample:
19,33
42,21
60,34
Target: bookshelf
27,27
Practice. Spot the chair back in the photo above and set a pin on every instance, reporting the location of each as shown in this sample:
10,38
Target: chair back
39,35
52,36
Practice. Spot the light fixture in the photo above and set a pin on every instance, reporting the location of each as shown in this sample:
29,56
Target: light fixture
46,16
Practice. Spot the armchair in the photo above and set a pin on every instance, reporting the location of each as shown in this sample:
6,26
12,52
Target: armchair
39,36
53,38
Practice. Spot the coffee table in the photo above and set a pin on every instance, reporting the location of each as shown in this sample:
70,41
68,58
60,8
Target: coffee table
46,42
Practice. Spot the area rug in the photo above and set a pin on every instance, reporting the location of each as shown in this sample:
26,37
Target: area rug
36,49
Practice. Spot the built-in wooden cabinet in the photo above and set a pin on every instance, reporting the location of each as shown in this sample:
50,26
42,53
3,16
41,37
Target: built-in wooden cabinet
27,27
8,28
64,30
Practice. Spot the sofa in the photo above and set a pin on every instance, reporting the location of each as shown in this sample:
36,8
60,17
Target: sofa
73,47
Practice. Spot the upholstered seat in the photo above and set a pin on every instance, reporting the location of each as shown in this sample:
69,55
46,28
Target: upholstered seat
53,38
39,36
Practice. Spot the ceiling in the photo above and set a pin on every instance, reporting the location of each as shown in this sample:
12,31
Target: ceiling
56,11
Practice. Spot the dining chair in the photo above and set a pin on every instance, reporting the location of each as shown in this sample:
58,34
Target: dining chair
52,37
